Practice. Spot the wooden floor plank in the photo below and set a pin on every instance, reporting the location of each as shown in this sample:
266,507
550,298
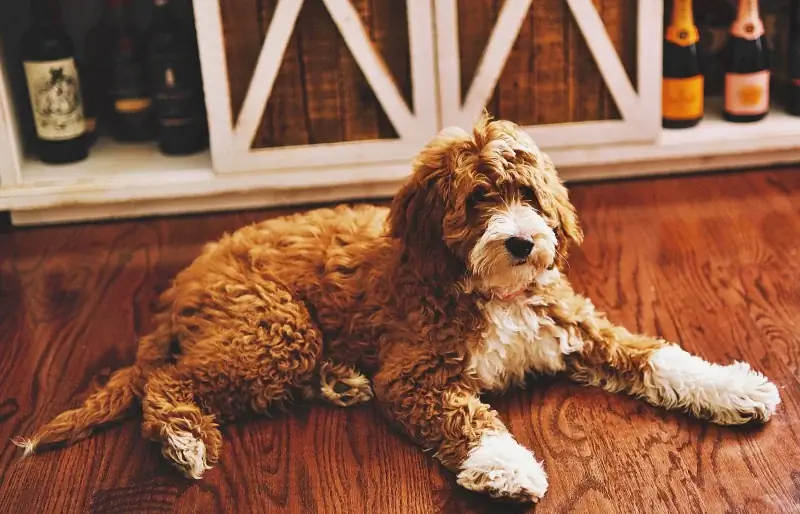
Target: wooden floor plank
711,260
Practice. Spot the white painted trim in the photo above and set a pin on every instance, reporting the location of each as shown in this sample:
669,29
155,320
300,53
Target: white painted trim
493,59
254,199
214,66
267,67
62,211
376,72
649,55
331,155
602,132
423,70
448,61
10,136
605,55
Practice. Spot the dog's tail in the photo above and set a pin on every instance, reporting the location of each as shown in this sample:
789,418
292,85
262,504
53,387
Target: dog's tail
110,403
104,406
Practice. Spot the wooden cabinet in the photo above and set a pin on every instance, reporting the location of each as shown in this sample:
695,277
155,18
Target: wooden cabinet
328,100
318,85
573,72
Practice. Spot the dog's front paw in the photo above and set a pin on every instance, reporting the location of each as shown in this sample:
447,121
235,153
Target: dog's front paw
728,395
502,468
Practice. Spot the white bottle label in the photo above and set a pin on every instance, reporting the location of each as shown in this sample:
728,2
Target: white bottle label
56,101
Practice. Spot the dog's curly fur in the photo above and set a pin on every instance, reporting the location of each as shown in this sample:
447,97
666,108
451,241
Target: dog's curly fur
454,290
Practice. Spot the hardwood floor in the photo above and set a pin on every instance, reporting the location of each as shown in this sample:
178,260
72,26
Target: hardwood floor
712,261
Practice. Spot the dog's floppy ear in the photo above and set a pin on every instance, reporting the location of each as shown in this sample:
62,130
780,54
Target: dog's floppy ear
416,215
554,200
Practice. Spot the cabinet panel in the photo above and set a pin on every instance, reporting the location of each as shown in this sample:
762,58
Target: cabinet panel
317,83
550,75
320,94
572,71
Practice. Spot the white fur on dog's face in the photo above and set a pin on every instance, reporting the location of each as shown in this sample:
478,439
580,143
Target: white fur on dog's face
493,267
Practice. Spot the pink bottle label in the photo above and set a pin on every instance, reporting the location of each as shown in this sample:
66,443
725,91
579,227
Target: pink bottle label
747,93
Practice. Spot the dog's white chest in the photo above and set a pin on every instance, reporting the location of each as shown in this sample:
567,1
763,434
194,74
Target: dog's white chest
518,341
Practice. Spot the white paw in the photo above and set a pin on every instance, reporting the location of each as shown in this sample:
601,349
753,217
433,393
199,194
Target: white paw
502,468
186,451
728,395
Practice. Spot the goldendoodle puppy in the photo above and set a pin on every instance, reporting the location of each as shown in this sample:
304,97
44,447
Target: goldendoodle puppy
456,289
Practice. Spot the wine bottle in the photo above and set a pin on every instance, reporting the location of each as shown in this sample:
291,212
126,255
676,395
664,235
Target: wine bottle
131,110
747,66
176,83
793,61
682,76
54,87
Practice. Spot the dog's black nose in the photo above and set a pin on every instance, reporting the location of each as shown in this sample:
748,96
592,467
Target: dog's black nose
519,247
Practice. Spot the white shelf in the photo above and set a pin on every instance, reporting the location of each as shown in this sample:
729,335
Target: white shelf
778,126
111,164
125,180
713,144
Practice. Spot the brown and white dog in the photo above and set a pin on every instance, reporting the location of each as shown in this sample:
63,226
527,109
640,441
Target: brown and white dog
455,290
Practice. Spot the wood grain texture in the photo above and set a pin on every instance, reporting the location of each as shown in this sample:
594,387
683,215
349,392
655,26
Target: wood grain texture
709,260
550,75
320,94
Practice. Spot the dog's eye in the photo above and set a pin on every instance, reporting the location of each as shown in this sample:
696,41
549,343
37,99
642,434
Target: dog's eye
527,194
477,196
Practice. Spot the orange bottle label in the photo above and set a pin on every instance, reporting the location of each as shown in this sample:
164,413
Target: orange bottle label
747,93
682,99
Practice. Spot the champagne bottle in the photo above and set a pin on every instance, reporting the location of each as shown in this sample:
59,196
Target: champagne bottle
682,77
793,61
131,109
747,67
54,87
176,83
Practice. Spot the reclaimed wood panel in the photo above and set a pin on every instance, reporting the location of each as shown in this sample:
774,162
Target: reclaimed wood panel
550,75
709,260
320,94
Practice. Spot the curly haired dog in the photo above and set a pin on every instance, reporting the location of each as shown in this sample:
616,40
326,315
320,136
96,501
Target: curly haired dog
456,289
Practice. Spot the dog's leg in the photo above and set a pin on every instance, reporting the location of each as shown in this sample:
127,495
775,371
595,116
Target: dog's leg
343,384
666,375
189,438
446,416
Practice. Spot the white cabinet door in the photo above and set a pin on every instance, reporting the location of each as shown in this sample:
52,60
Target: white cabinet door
234,129
521,35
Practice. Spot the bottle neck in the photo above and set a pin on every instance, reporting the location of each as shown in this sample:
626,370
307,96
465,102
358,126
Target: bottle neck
682,29
162,12
116,11
748,23
46,12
